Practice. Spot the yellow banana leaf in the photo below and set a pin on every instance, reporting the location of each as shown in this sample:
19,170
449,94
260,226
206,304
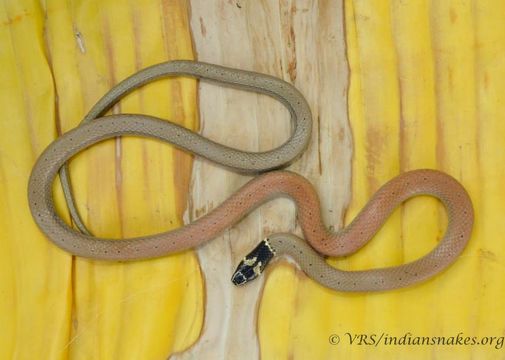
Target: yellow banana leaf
57,59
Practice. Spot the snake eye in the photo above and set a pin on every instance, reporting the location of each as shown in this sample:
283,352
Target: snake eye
253,264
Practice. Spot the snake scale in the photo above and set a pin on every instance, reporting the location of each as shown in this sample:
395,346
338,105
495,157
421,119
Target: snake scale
309,253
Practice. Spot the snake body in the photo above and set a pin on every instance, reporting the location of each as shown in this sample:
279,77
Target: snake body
242,161
256,192
364,226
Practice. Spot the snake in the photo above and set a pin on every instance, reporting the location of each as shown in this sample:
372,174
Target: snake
309,253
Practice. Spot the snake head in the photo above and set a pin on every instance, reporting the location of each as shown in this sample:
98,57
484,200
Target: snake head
253,264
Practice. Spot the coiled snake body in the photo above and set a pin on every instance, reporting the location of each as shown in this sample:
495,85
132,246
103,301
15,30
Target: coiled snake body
256,192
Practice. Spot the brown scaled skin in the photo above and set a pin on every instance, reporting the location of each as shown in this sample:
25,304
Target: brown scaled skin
371,218
256,192
243,161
